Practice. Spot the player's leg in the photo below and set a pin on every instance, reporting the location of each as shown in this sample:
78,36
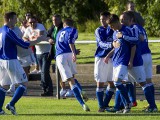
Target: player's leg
100,95
67,75
130,88
2,98
119,74
100,76
139,74
110,88
147,63
83,93
109,93
63,90
5,81
3,91
118,105
17,76
77,94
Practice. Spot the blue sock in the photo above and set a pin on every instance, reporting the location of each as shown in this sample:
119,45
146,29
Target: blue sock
123,94
100,94
18,94
117,100
77,94
78,85
108,97
2,97
130,88
149,96
152,89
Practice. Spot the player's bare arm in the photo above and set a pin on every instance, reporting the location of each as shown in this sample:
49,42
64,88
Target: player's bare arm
72,46
108,56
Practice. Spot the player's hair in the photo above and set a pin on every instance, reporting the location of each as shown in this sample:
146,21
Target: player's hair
9,15
33,17
68,22
131,15
105,13
56,15
113,19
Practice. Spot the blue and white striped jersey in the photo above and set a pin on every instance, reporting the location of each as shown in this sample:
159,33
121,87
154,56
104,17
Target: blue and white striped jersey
104,38
122,53
66,36
8,42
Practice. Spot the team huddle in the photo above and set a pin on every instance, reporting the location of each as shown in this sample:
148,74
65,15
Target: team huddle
122,57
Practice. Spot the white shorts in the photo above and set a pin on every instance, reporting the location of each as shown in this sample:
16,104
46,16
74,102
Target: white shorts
137,73
26,61
66,66
120,72
147,63
103,72
11,72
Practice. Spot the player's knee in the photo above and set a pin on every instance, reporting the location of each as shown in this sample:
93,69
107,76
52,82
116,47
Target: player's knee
23,86
3,89
110,89
117,83
99,89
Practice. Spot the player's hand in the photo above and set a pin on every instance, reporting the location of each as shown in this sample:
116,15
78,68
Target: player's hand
119,35
74,57
130,65
51,41
114,44
106,59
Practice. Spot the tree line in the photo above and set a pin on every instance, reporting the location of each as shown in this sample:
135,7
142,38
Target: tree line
85,13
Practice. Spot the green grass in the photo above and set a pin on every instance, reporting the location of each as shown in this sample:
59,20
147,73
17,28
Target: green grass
30,108
86,36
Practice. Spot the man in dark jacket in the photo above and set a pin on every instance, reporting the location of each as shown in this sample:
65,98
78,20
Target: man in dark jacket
131,7
52,32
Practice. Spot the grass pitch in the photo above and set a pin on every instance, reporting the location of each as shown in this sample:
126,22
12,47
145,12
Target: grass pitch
36,108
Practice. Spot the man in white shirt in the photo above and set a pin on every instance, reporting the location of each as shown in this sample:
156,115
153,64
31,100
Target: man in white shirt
42,52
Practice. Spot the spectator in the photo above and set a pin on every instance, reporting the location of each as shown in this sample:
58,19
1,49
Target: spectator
42,52
138,18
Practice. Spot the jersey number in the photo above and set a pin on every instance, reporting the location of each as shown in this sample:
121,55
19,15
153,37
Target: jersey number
61,37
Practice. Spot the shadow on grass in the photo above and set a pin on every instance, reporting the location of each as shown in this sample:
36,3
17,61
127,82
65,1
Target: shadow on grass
88,114
156,58
156,53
